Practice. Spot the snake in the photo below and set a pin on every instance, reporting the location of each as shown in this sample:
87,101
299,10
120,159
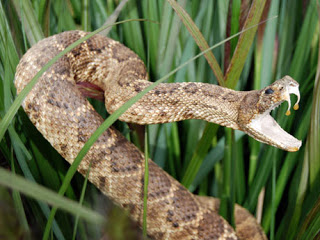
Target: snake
64,116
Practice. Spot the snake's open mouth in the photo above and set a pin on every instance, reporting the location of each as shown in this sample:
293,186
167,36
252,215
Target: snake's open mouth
269,129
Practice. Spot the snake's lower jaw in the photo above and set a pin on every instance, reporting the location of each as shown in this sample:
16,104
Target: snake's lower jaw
265,129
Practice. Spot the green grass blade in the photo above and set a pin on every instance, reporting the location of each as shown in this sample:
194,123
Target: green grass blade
269,40
235,22
8,53
38,192
31,25
199,154
311,227
300,195
151,12
64,19
133,31
168,45
214,156
240,172
18,202
245,42
228,191
198,37
113,17
273,210
174,146
313,141
83,191
305,37
163,46
171,158
86,26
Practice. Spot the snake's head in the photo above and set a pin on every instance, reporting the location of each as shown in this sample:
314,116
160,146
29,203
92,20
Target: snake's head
257,121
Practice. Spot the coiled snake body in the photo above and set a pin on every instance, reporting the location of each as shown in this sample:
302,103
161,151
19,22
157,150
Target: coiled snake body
66,119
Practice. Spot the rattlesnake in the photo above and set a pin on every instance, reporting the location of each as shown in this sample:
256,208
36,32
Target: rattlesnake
66,119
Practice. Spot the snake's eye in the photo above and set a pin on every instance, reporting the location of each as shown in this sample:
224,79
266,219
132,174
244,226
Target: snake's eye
269,91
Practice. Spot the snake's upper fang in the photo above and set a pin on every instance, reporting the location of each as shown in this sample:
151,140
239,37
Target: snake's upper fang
292,89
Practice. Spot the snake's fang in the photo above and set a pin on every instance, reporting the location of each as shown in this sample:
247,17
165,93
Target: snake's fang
292,89
288,112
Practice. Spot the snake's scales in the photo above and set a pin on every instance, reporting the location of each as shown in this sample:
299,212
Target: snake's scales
66,119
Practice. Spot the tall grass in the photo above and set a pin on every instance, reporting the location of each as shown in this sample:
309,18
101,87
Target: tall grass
206,158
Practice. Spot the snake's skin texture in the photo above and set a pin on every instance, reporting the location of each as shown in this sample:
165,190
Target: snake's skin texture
66,119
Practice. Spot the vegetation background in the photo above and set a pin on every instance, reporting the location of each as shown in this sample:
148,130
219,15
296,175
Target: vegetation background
206,158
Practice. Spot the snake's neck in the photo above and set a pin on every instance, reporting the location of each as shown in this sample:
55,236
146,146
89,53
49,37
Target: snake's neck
170,102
